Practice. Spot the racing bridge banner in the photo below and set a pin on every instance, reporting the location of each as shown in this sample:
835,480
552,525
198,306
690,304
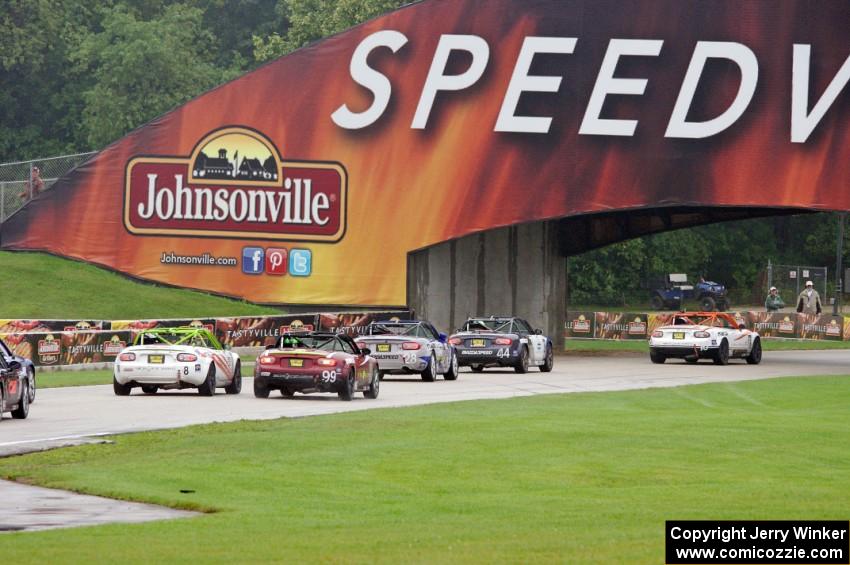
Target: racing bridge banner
311,178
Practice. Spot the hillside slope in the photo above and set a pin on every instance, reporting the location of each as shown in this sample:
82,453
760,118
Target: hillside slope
41,286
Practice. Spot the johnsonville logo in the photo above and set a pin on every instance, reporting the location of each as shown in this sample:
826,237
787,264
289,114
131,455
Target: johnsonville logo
48,350
235,184
580,325
638,327
114,346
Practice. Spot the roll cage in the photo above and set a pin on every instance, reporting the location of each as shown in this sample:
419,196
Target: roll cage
197,337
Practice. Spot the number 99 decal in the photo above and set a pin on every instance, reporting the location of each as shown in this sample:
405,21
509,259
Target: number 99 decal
328,376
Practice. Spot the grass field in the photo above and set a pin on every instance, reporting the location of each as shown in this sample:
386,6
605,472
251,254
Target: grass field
642,346
40,286
566,478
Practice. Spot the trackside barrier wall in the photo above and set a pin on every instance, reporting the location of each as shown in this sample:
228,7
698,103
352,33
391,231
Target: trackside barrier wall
635,325
75,342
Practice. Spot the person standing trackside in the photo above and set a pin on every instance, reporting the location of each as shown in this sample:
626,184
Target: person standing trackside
774,302
809,300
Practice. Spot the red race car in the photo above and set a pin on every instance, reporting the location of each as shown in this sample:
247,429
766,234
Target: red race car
316,362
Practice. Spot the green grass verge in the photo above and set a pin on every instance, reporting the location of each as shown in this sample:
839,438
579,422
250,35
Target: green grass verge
562,478
59,379
642,346
40,286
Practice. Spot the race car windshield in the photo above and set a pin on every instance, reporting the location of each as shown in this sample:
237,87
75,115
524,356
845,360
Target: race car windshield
489,325
395,329
323,343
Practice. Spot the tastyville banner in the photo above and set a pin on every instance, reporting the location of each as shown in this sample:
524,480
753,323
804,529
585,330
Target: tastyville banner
66,342
631,325
310,179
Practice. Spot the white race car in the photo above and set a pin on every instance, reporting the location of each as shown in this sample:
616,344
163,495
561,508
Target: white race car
175,358
704,335
410,347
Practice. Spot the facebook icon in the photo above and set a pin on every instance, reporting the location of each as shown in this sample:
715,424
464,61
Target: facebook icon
253,260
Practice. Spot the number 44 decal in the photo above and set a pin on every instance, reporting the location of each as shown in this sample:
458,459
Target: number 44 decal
503,352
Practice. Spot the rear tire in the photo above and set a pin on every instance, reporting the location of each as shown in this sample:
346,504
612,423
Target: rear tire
707,304
451,374
521,366
722,355
347,393
754,358
374,387
260,388
207,388
657,358
549,362
286,392
657,303
149,389
31,384
429,375
23,409
235,386
120,390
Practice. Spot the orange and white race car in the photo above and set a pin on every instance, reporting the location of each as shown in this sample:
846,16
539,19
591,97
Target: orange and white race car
704,335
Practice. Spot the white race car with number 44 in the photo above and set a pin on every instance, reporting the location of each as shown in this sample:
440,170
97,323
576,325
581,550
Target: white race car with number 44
705,335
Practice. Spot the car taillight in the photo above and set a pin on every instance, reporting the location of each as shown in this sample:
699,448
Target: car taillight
187,357
702,334
503,341
455,341
266,360
127,357
326,362
410,345
657,334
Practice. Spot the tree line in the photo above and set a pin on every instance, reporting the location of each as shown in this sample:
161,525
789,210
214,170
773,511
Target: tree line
77,75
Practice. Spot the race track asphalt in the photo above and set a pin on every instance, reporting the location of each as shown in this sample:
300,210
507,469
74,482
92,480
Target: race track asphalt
71,415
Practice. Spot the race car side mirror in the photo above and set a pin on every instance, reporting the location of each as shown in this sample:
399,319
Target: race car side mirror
271,346
14,366
538,331
742,326
442,337
365,351
227,346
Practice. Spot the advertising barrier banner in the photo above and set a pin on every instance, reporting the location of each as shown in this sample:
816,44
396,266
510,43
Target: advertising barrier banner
62,342
311,178
632,325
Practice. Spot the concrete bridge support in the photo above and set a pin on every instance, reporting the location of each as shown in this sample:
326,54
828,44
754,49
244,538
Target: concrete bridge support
516,270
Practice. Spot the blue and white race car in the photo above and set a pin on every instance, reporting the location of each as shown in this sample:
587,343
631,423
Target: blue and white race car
502,342
410,347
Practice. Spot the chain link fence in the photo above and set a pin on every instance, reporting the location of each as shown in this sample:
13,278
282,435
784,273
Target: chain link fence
22,180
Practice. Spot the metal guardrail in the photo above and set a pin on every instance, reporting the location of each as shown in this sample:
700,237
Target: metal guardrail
21,180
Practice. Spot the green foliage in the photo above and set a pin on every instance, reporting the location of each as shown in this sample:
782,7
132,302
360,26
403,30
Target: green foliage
310,20
143,68
733,253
